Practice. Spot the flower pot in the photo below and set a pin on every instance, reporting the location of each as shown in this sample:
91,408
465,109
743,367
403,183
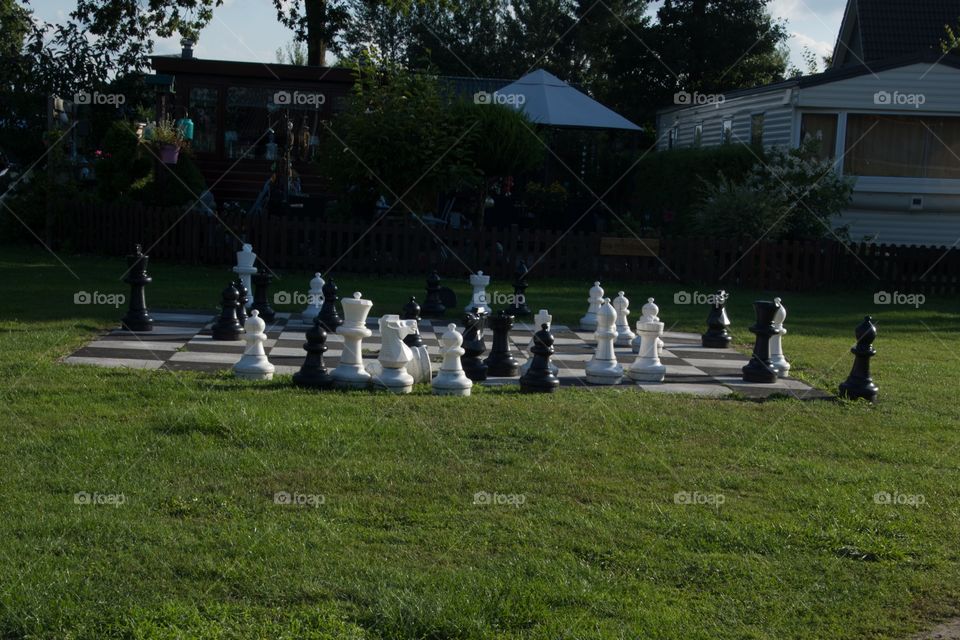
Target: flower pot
169,153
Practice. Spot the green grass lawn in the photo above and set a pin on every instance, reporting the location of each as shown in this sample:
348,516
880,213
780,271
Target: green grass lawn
584,539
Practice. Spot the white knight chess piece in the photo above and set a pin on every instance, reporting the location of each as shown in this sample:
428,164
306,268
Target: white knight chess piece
246,268
589,321
314,299
776,342
603,368
451,380
350,373
253,364
624,335
394,354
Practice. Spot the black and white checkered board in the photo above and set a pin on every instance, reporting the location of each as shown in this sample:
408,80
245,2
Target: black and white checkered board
181,341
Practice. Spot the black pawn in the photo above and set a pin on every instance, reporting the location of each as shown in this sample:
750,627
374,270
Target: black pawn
859,384
328,310
243,297
539,378
501,363
137,317
432,306
227,326
261,293
411,311
519,308
717,336
473,347
313,373
760,369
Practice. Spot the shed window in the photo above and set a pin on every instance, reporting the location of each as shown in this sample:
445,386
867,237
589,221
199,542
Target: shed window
903,146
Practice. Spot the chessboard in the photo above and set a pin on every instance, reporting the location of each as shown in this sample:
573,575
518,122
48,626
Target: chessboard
182,341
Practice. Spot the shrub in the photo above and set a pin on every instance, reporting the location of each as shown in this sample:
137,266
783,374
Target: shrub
120,163
182,188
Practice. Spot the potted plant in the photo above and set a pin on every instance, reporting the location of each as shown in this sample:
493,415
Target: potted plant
168,139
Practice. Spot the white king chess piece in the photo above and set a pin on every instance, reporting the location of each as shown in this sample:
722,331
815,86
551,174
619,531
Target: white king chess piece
314,298
776,345
394,354
624,335
649,313
478,300
543,317
253,364
647,366
350,373
589,321
245,268
450,380
603,368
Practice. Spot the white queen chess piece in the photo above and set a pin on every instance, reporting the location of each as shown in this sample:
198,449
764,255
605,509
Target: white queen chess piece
624,335
543,317
649,313
589,321
776,344
647,366
394,354
451,380
253,364
245,269
314,298
478,300
603,368
350,374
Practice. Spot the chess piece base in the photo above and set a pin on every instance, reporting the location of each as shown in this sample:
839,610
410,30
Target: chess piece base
715,342
504,369
441,391
545,384
394,380
782,367
611,374
451,384
347,376
313,379
656,373
588,324
858,389
757,372
626,340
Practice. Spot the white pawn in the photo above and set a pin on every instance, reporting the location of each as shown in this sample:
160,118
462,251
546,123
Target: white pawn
245,268
451,381
624,335
647,366
543,317
394,354
603,368
253,364
314,299
589,321
649,313
350,373
478,300
776,345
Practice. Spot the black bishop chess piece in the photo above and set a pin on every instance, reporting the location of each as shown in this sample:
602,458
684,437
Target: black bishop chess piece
227,327
519,308
432,306
539,377
328,310
314,374
243,297
760,369
137,317
859,384
261,296
501,363
411,311
473,346
717,335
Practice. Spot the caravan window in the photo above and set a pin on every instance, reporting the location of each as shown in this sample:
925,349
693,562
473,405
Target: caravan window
823,128
902,146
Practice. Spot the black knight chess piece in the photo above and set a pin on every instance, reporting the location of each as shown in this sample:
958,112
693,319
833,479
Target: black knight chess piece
717,335
411,311
227,326
432,306
539,377
501,363
243,297
261,293
473,346
328,310
760,369
314,374
137,317
859,384
519,308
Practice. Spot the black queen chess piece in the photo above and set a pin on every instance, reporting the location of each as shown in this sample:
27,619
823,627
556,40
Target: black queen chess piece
227,327
261,296
328,315
432,306
760,369
137,317
717,335
314,374
539,377
859,384
501,363
411,311
243,297
473,346
519,308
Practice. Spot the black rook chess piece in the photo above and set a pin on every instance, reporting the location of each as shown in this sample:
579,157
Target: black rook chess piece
137,317
760,369
227,326
501,363
859,384
473,346
539,378
717,336
328,310
314,373
411,311
432,306
261,293
243,297
519,308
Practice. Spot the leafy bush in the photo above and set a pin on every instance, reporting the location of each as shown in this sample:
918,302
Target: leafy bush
120,163
183,187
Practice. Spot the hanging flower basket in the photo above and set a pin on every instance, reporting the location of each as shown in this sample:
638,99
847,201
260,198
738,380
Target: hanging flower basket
169,153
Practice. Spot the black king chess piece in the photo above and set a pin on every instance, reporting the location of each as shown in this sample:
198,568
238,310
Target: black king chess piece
137,317
539,378
261,296
473,346
328,310
411,311
227,326
501,363
314,374
432,306
717,336
859,384
519,308
760,369
243,297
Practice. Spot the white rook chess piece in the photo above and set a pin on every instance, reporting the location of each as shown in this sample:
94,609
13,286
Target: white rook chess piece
776,345
253,364
245,268
314,298
394,354
478,300
589,321
647,366
603,368
350,374
624,335
649,313
450,380
543,317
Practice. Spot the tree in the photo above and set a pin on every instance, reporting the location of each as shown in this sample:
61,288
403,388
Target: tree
14,26
294,53
952,40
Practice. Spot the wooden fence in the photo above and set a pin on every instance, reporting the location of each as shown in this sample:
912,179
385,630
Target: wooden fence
409,247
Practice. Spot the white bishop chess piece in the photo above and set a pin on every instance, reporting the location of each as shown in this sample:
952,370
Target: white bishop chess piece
649,313
314,298
246,268
253,364
451,380
589,321
543,317
624,335
478,300
647,366
603,368
776,344
350,374
394,354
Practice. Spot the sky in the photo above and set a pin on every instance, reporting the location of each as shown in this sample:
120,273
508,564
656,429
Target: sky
248,29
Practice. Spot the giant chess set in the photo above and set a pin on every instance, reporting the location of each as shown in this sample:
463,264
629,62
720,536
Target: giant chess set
339,344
